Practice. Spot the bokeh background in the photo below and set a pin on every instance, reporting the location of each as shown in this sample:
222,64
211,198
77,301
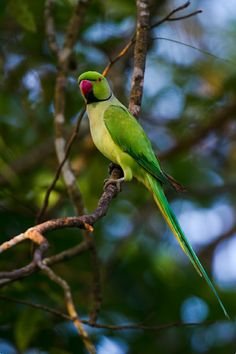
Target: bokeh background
145,275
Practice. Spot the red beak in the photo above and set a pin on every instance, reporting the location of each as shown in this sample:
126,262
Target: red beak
86,87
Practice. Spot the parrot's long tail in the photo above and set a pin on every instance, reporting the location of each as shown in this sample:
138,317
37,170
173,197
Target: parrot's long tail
173,223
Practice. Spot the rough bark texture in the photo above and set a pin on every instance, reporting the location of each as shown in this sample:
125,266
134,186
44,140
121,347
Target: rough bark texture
140,52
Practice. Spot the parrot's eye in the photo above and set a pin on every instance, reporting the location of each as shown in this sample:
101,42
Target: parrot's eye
99,79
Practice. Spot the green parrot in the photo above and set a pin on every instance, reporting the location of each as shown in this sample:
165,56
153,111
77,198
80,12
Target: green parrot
120,138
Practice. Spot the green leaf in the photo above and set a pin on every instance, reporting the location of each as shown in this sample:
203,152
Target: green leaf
20,11
26,327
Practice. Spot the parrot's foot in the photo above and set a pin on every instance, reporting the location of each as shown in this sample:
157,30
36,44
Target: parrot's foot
117,182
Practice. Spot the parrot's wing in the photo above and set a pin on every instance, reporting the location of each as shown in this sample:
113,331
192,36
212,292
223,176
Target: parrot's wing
128,134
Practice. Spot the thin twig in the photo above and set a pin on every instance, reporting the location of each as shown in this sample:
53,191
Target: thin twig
60,143
203,51
119,55
111,327
36,306
58,172
185,16
70,305
139,326
170,18
67,254
131,41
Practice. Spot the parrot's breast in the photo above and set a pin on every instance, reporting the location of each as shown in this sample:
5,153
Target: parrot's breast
100,135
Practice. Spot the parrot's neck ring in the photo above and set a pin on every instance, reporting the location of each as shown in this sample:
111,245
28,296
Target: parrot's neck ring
90,98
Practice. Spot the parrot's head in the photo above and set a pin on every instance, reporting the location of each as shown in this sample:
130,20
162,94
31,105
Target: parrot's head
94,87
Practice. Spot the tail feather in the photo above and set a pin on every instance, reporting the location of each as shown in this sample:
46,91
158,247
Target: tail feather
173,223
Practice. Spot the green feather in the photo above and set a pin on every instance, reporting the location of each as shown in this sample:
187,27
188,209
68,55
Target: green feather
173,223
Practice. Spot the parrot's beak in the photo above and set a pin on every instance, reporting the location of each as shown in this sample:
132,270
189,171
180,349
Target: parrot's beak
86,87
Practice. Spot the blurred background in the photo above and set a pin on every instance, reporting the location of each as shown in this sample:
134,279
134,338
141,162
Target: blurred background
188,113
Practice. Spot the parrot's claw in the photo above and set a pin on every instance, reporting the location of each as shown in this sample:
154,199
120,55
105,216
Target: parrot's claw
117,182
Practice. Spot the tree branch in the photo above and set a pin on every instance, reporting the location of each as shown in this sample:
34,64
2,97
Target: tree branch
50,27
13,275
36,233
140,53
